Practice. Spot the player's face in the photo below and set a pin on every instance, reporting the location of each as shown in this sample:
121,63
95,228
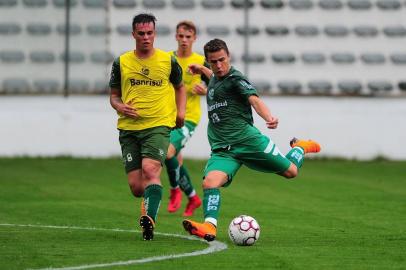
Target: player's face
144,35
185,38
219,62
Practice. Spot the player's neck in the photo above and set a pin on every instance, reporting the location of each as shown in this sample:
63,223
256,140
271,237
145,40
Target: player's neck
183,53
143,54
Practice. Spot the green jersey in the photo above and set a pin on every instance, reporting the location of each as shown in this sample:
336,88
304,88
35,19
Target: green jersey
230,114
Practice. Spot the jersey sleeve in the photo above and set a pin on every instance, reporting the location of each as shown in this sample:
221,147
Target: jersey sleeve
115,76
176,72
203,77
245,88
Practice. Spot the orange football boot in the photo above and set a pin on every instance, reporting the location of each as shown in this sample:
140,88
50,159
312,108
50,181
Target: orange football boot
307,146
204,230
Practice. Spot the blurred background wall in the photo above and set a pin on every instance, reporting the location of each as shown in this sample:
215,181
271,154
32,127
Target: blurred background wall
334,69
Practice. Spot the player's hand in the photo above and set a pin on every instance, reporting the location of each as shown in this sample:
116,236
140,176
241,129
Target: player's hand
128,111
199,89
272,123
180,121
195,69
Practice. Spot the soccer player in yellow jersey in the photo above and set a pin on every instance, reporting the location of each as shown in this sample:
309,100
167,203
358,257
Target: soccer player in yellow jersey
178,175
148,94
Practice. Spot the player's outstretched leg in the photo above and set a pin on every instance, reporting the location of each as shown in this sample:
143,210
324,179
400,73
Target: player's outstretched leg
308,146
204,230
211,208
298,151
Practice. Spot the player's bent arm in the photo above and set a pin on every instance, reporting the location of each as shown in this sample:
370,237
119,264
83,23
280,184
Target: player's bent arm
180,98
115,91
200,69
115,98
263,111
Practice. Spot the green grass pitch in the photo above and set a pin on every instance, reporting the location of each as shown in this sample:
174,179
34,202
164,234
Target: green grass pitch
335,215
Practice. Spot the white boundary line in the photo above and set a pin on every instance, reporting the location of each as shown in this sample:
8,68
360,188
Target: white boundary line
214,246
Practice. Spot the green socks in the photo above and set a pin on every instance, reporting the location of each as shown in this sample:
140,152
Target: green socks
178,176
184,181
296,155
211,205
152,200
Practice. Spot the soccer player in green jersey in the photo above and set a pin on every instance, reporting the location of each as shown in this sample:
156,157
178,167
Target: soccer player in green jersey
233,138
178,175
148,94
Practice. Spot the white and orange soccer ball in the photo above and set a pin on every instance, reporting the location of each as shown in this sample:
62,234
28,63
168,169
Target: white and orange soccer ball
244,230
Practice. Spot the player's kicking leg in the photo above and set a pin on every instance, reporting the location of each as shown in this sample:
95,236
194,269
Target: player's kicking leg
297,153
214,179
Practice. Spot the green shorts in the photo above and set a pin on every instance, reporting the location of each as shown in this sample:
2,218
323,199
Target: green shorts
148,143
259,154
180,136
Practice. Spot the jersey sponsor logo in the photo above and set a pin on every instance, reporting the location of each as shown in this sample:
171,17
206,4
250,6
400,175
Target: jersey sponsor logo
145,71
217,105
134,82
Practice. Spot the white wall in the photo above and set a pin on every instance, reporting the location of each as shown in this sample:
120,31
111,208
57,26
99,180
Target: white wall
361,128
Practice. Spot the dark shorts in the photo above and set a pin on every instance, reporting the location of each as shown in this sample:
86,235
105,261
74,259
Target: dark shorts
148,143
259,154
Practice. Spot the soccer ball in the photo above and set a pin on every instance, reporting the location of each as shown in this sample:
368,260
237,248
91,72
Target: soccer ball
244,230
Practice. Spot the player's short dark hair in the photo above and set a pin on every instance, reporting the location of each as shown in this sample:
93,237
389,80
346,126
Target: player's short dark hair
143,18
215,45
188,25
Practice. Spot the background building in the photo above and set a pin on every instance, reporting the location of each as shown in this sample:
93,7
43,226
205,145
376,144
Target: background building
317,60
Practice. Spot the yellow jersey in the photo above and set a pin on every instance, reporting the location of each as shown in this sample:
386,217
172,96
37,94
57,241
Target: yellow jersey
193,110
146,84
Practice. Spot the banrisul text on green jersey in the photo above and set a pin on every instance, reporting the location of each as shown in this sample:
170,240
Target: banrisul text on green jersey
217,105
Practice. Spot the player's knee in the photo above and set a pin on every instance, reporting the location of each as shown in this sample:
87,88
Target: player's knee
135,183
207,184
137,191
136,187
151,171
291,172
214,180
290,175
